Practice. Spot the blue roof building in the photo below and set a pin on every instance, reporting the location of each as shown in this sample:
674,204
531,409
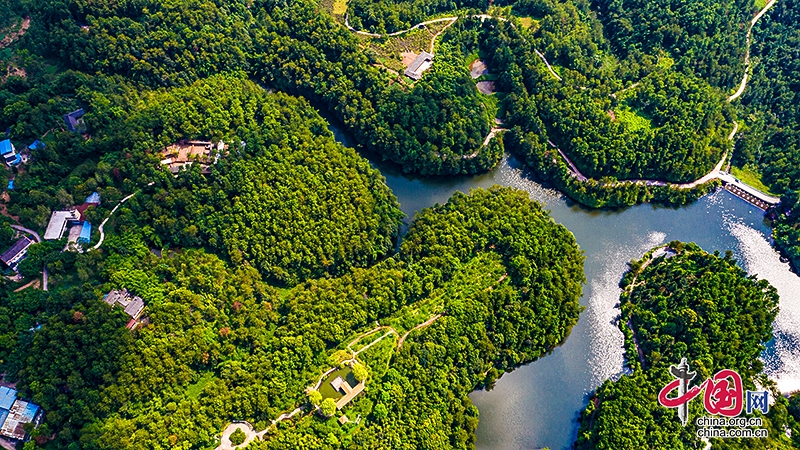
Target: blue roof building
6,147
86,233
9,153
15,413
10,185
93,199
74,121
37,144
7,398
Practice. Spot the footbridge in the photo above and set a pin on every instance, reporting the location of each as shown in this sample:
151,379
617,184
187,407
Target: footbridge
746,192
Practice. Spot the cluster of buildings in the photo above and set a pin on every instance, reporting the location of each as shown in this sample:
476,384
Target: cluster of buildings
131,304
185,153
15,413
11,157
72,221
61,222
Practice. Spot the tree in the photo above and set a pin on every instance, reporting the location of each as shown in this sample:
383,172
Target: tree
315,398
360,372
328,407
238,437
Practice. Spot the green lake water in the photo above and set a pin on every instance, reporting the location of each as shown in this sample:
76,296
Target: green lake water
537,405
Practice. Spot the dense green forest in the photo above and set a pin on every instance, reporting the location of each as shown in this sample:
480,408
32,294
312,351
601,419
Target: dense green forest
222,344
290,46
772,142
704,36
283,179
257,274
684,303
666,123
671,124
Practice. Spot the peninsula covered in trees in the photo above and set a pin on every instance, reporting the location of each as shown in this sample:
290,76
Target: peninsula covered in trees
681,302
501,278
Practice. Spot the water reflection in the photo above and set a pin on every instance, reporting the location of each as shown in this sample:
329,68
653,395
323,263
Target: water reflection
782,357
537,405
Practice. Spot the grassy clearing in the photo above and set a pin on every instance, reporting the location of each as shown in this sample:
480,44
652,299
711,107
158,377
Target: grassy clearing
632,119
492,104
193,391
339,7
369,339
378,357
470,57
529,23
477,275
388,51
665,62
751,176
760,4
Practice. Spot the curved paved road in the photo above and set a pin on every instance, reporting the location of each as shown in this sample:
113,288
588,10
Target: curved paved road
102,233
250,433
27,230
753,22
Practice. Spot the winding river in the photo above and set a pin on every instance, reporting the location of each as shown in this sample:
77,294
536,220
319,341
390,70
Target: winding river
537,405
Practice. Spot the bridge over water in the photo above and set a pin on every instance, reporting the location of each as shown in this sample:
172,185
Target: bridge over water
747,192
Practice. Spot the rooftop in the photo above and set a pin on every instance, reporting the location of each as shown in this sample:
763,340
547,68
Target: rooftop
184,153
86,233
422,63
132,304
337,383
74,120
11,254
19,414
6,147
7,397
349,393
94,198
58,223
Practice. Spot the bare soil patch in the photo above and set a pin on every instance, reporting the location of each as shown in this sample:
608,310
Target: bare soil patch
11,37
478,68
408,58
485,87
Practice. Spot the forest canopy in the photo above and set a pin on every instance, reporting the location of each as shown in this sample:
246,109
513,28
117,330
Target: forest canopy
681,302
500,279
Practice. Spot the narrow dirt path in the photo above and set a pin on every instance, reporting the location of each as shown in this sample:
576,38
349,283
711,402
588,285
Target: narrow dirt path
489,137
102,233
45,274
391,331
549,67
420,326
433,39
396,33
103,224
